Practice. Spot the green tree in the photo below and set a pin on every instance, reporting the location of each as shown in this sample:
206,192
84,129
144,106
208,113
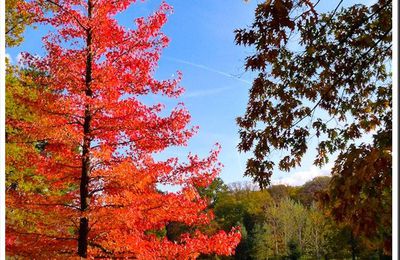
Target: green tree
17,172
260,242
17,19
293,219
284,227
244,207
20,177
15,22
294,251
276,238
16,169
238,206
281,191
319,234
213,191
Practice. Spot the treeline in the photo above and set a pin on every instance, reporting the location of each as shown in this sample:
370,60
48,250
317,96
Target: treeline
283,222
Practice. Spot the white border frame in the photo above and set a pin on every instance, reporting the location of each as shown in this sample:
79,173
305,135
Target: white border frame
395,140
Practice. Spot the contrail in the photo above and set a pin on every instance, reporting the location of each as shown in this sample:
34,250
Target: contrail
209,69
206,92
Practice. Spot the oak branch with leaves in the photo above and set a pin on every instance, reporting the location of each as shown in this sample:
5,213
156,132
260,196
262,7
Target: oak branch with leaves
324,77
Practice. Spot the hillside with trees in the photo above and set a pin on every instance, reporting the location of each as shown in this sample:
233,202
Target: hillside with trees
285,222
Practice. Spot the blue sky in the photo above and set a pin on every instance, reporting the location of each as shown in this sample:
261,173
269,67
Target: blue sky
202,47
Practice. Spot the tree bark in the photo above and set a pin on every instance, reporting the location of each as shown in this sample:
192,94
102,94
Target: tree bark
84,185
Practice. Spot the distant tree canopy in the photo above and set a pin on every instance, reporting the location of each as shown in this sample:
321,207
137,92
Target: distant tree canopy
284,222
308,192
324,76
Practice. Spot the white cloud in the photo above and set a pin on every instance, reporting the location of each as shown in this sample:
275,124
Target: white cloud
301,177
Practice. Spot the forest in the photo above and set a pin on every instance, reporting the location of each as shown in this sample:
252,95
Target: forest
284,222
89,172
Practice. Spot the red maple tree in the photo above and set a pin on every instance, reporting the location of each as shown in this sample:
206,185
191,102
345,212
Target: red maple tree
97,141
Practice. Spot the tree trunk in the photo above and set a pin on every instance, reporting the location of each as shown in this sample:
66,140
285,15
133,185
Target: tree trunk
84,185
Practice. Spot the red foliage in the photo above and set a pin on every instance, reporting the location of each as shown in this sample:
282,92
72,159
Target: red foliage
99,140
